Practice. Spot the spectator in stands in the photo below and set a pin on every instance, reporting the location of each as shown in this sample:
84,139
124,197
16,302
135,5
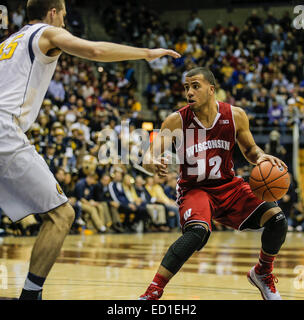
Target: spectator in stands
67,184
170,187
274,146
261,102
194,48
56,90
255,21
156,191
141,206
276,114
157,212
36,138
18,16
182,44
102,195
277,46
151,90
92,214
194,21
50,157
126,207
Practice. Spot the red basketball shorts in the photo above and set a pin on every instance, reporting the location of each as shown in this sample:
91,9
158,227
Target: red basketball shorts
229,204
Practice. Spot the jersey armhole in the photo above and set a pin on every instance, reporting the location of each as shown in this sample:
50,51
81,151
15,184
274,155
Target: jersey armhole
36,49
182,125
233,124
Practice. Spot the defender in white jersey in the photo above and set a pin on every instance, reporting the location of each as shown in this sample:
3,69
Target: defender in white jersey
28,60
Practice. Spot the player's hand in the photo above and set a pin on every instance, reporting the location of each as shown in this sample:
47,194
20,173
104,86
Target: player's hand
274,160
161,166
158,53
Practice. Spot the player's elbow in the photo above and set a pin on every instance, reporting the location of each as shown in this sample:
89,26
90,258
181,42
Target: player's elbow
98,53
94,53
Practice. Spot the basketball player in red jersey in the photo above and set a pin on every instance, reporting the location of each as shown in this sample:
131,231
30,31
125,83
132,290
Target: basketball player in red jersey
205,133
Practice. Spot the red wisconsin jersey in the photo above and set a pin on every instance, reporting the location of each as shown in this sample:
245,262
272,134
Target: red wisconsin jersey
205,155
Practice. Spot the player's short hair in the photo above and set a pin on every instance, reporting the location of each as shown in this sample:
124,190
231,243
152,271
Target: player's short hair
206,72
38,9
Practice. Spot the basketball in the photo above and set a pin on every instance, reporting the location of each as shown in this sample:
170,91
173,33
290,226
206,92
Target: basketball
269,182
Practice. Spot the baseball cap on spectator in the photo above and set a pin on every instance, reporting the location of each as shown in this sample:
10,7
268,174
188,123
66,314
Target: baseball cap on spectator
59,131
61,111
70,117
64,109
75,126
57,124
35,127
47,102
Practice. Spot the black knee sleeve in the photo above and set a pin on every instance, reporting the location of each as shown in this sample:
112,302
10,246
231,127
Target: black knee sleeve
274,234
194,238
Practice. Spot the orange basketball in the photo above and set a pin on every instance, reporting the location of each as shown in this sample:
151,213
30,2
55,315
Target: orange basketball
269,182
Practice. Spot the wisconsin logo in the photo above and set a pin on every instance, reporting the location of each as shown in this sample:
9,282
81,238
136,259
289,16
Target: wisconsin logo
224,121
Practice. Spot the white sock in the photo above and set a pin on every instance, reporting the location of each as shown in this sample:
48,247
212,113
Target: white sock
31,286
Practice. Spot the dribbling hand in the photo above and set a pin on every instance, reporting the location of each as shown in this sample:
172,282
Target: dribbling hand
161,167
274,160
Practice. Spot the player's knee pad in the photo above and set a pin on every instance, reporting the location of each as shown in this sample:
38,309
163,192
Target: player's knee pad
274,234
194,238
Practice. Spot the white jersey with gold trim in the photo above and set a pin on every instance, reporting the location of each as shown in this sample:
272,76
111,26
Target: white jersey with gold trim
25,74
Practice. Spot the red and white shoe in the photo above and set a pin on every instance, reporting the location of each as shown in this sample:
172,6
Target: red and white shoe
265,283
152,293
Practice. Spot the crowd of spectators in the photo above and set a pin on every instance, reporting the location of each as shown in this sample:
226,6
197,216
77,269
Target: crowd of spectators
17,18
258,67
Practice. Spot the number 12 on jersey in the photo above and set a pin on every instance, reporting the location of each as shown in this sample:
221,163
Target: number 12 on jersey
215,173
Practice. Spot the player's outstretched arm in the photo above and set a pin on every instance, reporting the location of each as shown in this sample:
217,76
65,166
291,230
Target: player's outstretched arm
248,147
171,131
95,50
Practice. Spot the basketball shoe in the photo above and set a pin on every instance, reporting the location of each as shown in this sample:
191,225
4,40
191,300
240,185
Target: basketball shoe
152,293
30,295
265,283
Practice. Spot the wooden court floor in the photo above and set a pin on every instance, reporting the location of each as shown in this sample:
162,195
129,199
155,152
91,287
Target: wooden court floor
119,267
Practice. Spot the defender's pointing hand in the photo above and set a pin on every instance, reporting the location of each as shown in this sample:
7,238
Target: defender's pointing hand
158,53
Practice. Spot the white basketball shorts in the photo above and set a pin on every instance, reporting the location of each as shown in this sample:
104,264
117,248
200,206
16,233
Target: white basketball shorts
27,186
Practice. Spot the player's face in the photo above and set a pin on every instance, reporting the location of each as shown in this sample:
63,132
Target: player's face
198,91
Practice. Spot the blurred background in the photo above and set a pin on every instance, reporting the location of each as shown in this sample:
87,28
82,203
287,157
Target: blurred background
256,55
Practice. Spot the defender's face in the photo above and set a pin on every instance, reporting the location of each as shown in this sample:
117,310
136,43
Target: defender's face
61,15
198,91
